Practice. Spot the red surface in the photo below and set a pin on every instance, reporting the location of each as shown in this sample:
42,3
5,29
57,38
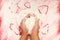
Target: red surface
0,20
58,8
58,27
0,28
28,5
0,4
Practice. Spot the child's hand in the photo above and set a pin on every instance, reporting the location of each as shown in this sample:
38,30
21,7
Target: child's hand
35,31
36,27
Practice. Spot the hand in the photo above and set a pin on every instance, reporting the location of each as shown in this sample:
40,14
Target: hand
35,30
22,28
36,27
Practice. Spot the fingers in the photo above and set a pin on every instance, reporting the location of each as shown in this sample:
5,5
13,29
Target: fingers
23,26
23,22
20,31
36,23
36,27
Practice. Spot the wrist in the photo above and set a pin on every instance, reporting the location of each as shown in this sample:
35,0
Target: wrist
35,37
